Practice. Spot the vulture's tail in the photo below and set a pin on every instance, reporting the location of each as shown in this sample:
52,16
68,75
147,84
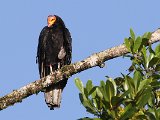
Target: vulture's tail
53,94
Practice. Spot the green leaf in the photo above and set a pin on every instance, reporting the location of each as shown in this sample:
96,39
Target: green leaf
116,101
151,50
99,92
141,117
137,78
155,84
151,100
84,101
150,57
85,92
143,84
137,44
98,103
127,44
131,41
143,43
153,62
132,34
106,104
114,86
144,52
144,97
81,98
102,83
119,81
157,49
147,35
130,85
79,85
129,111
157,111
89,85
87,104
93,92
103,90
125,85
125,94
109,90
150,116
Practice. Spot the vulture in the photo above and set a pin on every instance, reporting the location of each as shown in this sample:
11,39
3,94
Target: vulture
54,51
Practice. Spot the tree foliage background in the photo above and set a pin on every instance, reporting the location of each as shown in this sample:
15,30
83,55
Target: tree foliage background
134,96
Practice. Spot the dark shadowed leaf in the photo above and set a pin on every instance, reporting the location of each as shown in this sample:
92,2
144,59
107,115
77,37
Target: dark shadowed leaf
144,43
81,97
85,92
151,50
116,101
93,91
119,81
106,105
141,117
150,116
153,62
157,68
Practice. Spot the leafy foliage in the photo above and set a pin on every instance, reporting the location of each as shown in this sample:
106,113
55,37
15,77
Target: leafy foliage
133,96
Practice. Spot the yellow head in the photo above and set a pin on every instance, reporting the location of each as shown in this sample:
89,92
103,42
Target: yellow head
51,20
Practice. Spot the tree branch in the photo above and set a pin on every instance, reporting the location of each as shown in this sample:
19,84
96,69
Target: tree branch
96,59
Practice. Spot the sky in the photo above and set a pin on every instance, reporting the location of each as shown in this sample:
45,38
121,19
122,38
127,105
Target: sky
94,25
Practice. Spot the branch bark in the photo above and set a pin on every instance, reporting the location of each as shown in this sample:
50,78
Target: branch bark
96,59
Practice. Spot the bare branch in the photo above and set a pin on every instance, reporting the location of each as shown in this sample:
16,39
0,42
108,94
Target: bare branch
96,59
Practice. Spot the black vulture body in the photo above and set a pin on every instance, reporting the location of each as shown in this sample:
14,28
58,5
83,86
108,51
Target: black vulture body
54,51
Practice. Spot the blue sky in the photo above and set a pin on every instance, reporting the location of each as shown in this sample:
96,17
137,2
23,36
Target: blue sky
94,26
